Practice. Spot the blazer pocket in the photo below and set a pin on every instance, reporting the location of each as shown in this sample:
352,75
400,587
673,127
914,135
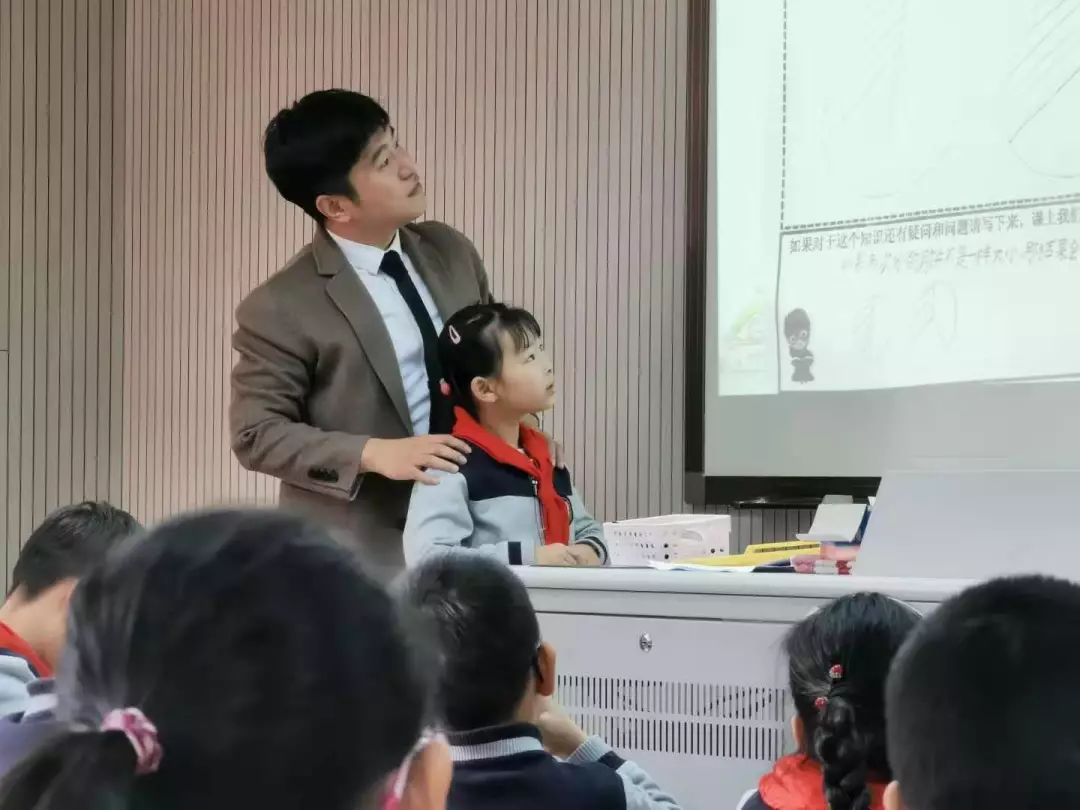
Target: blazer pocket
323,474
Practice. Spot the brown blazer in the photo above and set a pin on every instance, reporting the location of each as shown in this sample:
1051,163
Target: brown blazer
317,376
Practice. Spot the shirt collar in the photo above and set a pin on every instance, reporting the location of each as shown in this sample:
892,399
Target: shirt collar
365,258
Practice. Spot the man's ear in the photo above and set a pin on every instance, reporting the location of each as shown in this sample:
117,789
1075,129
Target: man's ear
429,778
893,800
329,205
545,665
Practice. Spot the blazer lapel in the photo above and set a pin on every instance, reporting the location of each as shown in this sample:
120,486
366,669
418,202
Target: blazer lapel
432,269
351,297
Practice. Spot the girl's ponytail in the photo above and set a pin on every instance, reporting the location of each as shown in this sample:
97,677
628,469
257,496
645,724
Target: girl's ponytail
90,770
469,348
838,662
842,752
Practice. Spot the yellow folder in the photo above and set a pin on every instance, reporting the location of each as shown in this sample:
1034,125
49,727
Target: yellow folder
759,554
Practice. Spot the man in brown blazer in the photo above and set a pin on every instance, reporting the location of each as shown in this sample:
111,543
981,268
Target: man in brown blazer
337,381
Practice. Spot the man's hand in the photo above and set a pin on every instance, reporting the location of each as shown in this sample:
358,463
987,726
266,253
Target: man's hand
554,448
584,555
561,735
556,451
556,554
408,459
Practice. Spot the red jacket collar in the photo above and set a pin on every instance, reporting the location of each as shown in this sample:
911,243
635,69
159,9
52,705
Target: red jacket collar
534,444
795,783
535,461
12,642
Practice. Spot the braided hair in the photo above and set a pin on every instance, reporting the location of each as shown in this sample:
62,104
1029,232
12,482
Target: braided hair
838,660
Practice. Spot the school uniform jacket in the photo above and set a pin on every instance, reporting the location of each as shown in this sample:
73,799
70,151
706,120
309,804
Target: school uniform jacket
504,502
507,768
796,783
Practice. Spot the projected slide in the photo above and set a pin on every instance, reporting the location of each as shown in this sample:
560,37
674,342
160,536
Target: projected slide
924,156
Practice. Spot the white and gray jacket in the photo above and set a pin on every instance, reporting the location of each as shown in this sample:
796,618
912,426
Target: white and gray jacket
493,508
16,675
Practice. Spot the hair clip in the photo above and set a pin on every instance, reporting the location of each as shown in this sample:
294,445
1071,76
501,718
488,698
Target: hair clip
444,387
821,703
455,338
836,672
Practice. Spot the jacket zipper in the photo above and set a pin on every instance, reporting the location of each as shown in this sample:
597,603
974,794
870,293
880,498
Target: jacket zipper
539,512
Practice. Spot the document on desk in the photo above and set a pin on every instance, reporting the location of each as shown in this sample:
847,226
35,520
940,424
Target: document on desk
677,566
835,523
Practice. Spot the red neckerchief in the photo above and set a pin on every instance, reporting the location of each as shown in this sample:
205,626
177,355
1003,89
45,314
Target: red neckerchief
795,783
14,643
536,461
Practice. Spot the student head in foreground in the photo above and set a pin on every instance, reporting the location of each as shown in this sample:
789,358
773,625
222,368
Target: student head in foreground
67,545
838,662
229,660
508,500
493,688
984,705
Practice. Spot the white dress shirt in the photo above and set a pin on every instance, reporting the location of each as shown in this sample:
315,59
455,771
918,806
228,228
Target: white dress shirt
400,323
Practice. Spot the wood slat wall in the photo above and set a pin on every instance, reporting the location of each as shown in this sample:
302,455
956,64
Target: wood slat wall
61,279
550,131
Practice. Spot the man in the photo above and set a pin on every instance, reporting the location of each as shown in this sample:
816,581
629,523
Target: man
982,708
337,381
33,619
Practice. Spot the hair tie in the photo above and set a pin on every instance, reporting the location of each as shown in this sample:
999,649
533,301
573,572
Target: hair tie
141,733
836,674
455,338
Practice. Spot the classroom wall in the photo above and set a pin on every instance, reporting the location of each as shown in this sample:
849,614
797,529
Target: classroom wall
61,279
137,215
550,132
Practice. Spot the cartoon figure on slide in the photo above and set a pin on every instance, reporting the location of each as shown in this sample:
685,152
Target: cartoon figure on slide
797,332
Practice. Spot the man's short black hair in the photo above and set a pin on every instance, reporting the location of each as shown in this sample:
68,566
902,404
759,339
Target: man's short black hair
983,702
481,619
68,544
311,147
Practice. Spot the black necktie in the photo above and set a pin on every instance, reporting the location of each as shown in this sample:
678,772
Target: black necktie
394,267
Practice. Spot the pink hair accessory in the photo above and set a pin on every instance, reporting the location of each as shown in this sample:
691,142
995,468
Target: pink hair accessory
444,387
141,733
821,703
455,338
836,672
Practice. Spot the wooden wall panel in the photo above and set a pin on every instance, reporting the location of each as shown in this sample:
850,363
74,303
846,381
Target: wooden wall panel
60,314
551,131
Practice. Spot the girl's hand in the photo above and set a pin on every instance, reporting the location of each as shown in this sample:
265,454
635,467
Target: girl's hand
556,554
585,555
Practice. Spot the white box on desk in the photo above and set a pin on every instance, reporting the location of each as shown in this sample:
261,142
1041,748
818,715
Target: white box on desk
667,538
